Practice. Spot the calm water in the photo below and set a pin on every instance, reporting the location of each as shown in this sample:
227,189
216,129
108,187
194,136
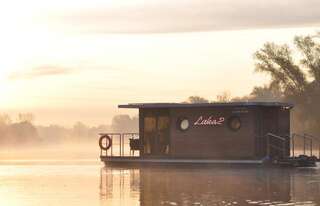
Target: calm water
89,183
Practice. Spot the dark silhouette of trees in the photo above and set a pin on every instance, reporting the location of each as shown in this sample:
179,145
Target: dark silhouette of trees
277,61
196,100
295,77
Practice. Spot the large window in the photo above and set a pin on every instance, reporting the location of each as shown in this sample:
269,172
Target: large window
149,131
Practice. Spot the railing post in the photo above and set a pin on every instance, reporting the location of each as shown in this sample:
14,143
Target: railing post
292,145
284,149
123,148
304,144
111,146
311,147
120,144
268,146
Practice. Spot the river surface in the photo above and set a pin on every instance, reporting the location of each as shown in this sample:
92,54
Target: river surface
90,183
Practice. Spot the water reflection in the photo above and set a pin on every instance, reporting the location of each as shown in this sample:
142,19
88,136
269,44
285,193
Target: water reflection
209,186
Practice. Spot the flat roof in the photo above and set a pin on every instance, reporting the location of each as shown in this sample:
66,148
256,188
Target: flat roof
187,105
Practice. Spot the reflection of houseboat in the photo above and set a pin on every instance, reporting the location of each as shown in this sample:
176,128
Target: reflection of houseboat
247,132
192,185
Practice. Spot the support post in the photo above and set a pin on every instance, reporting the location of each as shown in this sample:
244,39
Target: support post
123,149
292,139
284,151
120,144
304,145
311,147
111,145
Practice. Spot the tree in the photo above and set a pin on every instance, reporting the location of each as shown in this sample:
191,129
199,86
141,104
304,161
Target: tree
25,117
196,100
266,93
311,56
224,97
295,76
277,61
80,130
124,123
22,133
5,119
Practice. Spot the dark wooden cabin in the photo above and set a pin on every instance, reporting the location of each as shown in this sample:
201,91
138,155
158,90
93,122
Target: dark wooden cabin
213,131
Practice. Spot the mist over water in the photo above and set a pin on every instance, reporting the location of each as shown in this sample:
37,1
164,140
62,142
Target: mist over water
21,139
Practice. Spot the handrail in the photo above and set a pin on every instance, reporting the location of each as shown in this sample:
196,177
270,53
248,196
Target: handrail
311,136
304,141
306,138
314,138
276,136
269,145
121,151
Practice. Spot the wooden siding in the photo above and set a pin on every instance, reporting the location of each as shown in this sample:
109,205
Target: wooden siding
213,141
220,142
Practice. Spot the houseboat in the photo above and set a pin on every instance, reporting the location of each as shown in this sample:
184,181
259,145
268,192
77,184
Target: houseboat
237,132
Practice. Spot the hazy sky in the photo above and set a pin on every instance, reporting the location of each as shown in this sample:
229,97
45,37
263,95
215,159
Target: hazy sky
77,60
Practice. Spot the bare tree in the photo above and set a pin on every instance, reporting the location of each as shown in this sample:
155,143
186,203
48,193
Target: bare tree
5,119
25,117
224,97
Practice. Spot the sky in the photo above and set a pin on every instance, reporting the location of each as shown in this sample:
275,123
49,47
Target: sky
68,61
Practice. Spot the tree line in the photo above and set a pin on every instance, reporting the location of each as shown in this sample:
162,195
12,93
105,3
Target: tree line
22,131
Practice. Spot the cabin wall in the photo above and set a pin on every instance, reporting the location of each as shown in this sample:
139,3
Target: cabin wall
274,120
219,141
208,141
284,127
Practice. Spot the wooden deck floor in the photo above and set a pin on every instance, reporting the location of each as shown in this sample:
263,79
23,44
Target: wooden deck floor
139,160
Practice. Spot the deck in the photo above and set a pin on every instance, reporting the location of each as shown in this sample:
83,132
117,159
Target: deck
121,152
156,160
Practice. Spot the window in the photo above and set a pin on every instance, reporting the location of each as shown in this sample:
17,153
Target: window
234,123
183,124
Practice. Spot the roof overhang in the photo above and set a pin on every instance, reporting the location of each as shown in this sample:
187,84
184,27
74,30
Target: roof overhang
186,105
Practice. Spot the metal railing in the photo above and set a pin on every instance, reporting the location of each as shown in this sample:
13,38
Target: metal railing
310,143
120,145
307,144
314,139
270,145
